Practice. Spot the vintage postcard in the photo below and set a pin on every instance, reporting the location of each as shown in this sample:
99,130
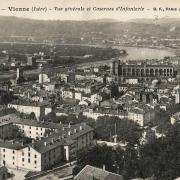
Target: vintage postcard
90,89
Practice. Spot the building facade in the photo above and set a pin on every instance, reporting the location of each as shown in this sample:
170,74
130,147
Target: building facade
141,71
51,144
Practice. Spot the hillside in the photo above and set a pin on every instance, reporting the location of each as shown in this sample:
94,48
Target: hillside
13,26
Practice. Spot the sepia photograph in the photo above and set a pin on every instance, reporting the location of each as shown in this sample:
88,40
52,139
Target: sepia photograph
90,90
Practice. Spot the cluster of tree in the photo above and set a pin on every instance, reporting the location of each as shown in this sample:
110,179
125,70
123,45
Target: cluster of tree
161,121
158,158
7,111
22,115
127,131
13,133
5,97
64,54
75,54
162,118
71,118
114,160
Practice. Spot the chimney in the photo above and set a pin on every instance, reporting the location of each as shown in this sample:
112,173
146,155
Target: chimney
75,130
45,143
80,128
104,167
69,133
69,125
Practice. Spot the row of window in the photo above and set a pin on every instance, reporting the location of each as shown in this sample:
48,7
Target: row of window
37,128
35,162
29,154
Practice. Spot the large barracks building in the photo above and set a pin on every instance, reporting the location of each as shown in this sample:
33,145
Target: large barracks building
141,71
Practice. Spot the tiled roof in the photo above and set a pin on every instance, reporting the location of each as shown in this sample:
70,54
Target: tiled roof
23,102
15,119
91,173
12,145
52,142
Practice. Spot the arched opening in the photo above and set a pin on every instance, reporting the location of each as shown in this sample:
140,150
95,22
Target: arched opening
151,72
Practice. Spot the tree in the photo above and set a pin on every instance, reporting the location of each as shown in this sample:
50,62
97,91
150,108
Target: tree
127,131
32,116
161,157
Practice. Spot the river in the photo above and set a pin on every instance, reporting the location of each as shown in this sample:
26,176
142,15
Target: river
136,53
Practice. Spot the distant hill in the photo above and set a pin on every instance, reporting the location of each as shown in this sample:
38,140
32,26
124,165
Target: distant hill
160,21
13,26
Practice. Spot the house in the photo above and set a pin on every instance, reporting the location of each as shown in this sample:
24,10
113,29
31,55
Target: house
94,173
99,112
66,77
78,96
43,78
141,115
85,103
123,88
49,86
131,81
166,102
37,98
38,108
176,94
68,94
97,98
175,118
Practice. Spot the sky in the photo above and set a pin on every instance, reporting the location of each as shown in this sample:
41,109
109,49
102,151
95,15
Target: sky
52,14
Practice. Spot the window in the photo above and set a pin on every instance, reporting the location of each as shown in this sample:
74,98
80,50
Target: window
35,156
35,162
13,157
41,129
29,161
36,133
4,150
13,151
22,159
29,127
13,163
22,153
4,156
28,148
29,154
4,162
37,128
